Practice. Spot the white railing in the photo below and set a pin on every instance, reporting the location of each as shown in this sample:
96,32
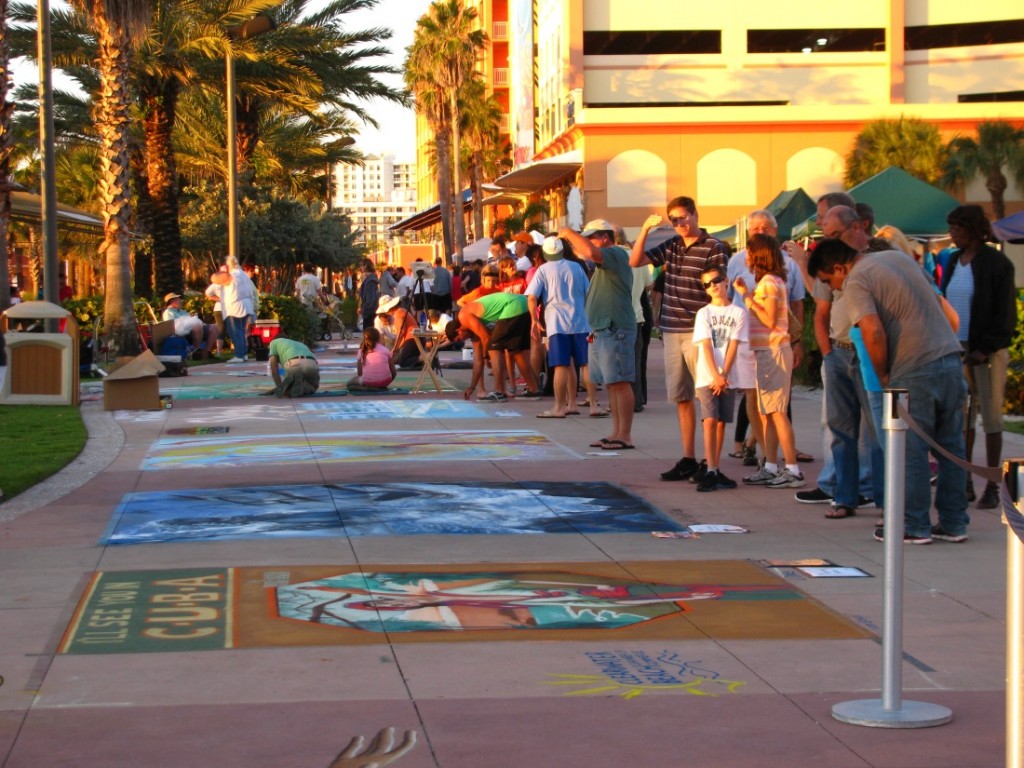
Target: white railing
499,31
501,78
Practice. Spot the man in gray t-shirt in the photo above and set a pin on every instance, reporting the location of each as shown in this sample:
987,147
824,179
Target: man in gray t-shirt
912,347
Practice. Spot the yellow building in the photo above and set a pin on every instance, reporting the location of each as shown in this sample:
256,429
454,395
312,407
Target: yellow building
615,106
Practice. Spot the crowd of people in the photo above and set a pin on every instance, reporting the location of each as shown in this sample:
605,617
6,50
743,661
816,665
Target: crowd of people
581,307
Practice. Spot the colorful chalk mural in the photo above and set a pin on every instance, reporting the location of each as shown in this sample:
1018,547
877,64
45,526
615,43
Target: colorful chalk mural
418,602
398,409
380,509
419,446
204,609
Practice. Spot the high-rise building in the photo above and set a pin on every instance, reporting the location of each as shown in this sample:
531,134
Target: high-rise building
615,106
375,195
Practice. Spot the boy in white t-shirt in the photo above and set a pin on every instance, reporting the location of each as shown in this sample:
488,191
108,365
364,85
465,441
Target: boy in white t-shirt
718,330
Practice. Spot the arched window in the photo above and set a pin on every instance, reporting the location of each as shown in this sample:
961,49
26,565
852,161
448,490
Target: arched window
727,177
817,169
637,179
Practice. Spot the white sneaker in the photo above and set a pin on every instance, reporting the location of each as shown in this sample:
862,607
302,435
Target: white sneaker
761,477
236,360
786,479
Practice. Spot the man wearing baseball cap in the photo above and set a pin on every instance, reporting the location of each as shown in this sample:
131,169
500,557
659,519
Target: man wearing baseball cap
188,325
610,313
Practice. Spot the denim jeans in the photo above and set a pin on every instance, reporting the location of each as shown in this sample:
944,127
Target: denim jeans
235,326
935,399
848,416
827,476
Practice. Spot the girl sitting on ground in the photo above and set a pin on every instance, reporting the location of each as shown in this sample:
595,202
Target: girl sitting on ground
375,367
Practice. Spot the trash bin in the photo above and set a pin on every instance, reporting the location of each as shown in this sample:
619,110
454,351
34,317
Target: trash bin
42,367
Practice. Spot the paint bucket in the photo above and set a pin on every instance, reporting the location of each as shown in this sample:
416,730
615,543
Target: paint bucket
467,354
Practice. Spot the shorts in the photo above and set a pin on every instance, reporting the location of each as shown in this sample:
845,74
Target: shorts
184,326
568,348
512,334
717,407
986,389
743,367
612,357
774,367
680,366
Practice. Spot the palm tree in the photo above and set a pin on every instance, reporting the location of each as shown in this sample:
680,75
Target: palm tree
999,146
908,143
433,104
118,25
6,151
445,48
484,157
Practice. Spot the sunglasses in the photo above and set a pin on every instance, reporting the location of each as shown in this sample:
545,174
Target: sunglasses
677,220
713,281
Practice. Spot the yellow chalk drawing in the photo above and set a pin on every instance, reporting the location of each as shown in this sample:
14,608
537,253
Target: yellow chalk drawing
605,684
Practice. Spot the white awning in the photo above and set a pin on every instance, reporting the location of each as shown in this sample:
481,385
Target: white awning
543,173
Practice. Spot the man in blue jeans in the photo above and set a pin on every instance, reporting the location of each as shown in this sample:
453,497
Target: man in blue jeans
911,347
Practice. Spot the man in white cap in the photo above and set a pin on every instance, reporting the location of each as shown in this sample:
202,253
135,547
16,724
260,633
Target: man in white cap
397,327
610,313
560,287
188,325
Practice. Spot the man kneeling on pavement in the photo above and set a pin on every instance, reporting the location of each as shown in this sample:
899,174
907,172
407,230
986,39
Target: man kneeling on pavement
497,323
301,372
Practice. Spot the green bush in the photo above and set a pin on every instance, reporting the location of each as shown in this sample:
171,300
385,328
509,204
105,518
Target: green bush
1014,402
296,321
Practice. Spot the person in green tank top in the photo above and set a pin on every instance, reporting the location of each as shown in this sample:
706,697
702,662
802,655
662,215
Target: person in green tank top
301,372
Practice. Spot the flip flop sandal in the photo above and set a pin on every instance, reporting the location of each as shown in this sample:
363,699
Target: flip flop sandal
616,445
550,415
599,443
572,413
803,458
600,414
840,512
735,455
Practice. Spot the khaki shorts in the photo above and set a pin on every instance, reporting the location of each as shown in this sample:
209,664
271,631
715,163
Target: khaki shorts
774,368
986,391
680,366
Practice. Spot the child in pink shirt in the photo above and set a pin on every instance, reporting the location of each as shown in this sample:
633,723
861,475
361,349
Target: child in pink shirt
375,368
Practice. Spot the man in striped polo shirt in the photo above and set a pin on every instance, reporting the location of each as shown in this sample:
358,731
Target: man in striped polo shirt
686,256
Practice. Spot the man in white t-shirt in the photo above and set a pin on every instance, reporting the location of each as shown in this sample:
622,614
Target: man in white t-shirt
308,286
718,329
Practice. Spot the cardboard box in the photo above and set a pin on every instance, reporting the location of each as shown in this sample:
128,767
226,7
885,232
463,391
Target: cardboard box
134,386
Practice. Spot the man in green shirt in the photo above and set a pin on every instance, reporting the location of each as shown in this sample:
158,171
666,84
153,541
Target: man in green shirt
301,373
496,323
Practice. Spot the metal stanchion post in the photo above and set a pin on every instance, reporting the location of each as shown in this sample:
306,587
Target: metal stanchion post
1013,471
891,711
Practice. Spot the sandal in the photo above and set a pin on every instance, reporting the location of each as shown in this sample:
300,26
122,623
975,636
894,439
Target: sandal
616,445
602,414
840,511
803,458
599,443
736,454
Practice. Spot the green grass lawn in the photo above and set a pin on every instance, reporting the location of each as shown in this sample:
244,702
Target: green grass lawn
35,442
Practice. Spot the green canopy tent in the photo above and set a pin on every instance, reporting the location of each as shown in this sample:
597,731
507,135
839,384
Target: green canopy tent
790,208
915,207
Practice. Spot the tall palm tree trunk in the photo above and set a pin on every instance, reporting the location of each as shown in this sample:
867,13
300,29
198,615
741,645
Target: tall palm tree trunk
996,185
162,185
6,148
476,172
460,218
442,142
112,123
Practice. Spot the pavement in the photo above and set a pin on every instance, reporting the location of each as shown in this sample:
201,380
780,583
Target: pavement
180,595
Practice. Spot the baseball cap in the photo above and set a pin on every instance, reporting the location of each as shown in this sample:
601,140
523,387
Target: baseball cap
523,237
552,248
597,225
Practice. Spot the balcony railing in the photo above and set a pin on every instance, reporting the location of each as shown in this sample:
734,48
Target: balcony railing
499,31
503,124
501,78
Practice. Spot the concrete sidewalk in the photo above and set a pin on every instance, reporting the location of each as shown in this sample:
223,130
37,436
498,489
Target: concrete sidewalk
726,692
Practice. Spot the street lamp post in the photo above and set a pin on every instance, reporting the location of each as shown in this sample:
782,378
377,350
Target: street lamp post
255,26
48,209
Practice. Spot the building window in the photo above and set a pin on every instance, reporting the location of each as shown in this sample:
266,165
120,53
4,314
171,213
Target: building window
660,41
957,35
815,40
970,98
